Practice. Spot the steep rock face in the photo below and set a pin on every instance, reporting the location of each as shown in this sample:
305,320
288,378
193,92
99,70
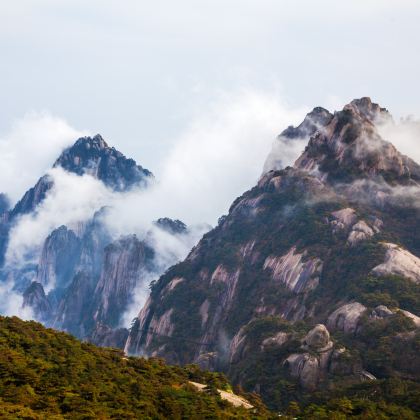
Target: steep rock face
32,197
69,268
108,337
100,282
59,256
80,284
124,261
296,274
291,252
73,312
93,156
34,297
314,121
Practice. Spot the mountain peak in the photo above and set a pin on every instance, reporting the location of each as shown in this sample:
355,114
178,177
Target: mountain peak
93,156
314,120
366,109
350,147
96,142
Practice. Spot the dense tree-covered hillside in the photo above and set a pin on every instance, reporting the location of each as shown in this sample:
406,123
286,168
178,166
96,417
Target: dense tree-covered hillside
50,374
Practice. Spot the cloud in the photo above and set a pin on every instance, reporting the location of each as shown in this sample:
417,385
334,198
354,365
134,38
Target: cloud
215,159
29,148
11,302
379,193
404,135
72,199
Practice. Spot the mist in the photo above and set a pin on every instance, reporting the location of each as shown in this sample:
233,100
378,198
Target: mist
216,158
404,135
28,149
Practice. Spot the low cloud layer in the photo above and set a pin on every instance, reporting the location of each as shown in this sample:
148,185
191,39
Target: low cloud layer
404,135
29,148
216,159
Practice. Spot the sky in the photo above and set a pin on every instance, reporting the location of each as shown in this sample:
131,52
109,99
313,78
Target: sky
146,74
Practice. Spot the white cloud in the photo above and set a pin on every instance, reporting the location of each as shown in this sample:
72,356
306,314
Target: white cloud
11,302
216,159
29,149
404,135
72,199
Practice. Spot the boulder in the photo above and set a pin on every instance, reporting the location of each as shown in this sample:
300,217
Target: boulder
381,311
359,232
346,318
413,317
304,367
277,340
399,262
343,218
318,339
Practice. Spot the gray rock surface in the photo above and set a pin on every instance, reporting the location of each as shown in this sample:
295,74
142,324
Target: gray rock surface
346,318
399,262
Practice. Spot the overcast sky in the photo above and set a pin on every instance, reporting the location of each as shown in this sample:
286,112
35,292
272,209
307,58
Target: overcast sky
142,72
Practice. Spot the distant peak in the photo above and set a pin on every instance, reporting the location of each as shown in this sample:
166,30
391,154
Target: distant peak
314,120
365,108
93,156
171,226
96,142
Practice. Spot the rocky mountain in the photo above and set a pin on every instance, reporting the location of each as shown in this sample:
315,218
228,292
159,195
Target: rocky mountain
89,155
93,156
312,281
83,279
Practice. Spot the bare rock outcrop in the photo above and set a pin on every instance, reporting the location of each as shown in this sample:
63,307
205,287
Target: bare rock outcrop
381,312
360,232
318,339
34,297
399,262
124,261
105,336
304,367
346,318
277,340
343,219
311,368
295,271
413,317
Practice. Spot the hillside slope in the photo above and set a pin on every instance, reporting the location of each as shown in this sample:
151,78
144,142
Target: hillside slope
49,374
